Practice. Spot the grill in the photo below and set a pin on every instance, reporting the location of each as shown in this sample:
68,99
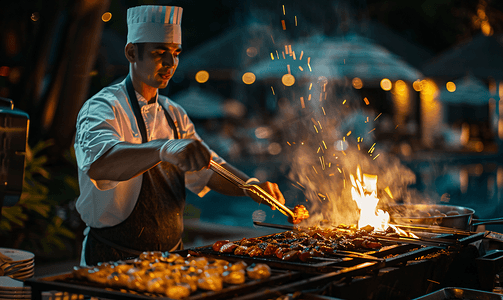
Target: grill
399,270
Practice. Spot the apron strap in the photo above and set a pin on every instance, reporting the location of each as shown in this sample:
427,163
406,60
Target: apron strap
171,124
133,100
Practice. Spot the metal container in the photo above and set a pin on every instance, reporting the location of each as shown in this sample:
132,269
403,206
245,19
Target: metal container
457,217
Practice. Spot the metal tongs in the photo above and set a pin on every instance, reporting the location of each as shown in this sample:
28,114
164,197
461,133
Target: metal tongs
252,188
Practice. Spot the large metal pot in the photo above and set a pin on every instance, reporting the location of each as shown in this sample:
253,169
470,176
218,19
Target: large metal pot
441,215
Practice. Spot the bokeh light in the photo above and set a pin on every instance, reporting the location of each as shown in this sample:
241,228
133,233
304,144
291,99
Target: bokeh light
288,80
357,83
263,132
451,86
251,51
417,86
386,84
248,78
106,17
202,76
274,148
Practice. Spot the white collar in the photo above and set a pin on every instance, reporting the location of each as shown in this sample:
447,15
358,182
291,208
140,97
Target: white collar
142,101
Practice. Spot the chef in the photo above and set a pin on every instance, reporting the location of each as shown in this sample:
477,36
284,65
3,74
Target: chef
137,151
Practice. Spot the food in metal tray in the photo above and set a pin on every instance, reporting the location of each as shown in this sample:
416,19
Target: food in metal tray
170,274
305,243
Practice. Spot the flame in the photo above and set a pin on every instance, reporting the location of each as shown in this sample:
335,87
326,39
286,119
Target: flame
364,193
402,232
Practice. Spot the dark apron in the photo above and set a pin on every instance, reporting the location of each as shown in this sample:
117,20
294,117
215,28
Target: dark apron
156,222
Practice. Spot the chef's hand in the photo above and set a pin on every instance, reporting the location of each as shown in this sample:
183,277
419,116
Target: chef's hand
187,154
271,188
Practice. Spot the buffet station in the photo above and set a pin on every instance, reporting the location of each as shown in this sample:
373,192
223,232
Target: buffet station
406,260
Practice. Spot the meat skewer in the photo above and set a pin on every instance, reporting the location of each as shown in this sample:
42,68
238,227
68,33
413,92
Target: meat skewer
298,214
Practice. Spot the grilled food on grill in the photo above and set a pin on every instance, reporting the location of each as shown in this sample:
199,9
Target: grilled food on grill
170,275
305,243
301,213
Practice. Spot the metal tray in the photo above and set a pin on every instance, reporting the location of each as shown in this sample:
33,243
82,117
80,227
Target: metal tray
65,283
452,293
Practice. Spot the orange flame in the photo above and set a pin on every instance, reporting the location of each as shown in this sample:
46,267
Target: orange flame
364,193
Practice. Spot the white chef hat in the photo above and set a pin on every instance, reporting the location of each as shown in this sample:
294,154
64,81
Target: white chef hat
154,24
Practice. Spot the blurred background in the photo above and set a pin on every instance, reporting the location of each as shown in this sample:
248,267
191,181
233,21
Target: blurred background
415,86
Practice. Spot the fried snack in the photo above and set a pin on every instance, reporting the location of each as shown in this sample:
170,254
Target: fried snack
117,279
161,273
258,271
156,285
234,277
190,279
154,255
198,262
240,265
210,282
178,291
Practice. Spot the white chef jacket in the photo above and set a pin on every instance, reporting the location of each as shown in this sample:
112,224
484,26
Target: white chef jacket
107,119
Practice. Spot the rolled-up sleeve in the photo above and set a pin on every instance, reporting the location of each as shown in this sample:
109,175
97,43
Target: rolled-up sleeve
98,130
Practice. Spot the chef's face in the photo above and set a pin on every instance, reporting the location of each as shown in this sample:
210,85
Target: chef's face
157,64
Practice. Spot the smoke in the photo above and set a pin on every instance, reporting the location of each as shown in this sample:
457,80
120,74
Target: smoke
334,135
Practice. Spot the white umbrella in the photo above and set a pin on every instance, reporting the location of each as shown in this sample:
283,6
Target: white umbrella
338,58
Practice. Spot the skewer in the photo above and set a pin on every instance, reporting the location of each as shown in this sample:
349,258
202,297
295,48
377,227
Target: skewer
434,229
252,188
421,241
356,255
